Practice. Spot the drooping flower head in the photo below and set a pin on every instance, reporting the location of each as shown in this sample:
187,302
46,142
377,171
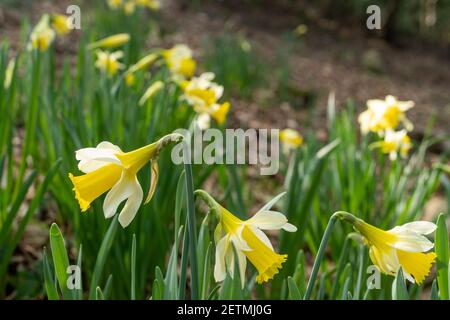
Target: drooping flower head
60,23
107,167
142,64
291,139
403,246
179,60
110,42
384,115
394,143
203,95
42,35
109,61
247,240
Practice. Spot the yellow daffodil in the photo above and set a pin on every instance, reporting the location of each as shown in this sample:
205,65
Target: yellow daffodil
291,139
247,239
151,4
301,30
107,167
42,35
154,88
108,61
110,42
9,73
403,246
179,60
394,143
114,4
142,64
129,8
384,115
203,95
61,24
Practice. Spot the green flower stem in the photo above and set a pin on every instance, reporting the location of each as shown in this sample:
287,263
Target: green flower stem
315,270
191,224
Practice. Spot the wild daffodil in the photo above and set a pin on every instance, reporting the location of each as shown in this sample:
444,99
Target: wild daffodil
111,42
203,95
129,7
403,246
108,61
384,115
42,35
394,143
114,4
291,139
107,167
151,4
244,239
61,24
179,60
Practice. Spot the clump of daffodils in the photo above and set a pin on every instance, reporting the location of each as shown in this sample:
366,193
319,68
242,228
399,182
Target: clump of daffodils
107,167
291,139
203,95
179,60
239,240
403,246
108,62
383,117
129,6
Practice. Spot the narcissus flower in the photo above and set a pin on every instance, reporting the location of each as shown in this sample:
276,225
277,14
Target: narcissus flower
291,139
384,115
61,24
247,239
114,4
129,7
108,61
142,64
151,4
179,60
111,42
203,95
153,89
42,35
394,143
107,167
403,246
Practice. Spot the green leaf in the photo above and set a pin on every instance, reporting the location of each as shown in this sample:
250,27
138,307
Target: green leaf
49,279
60,259
294,293
133,268
442,263
399,290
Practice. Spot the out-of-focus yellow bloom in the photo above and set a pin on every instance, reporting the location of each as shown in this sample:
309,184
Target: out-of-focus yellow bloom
107,167
9,73
291,139
129,8
110,42
60,23
301,30
42,35
384,115
179,60
151,4
403,246
114,4
129,79
142,64
248,240
394,143
203,95
154,88
108,61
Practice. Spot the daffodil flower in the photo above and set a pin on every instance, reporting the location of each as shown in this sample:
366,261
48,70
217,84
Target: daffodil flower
384,115
107,167
179,60
114,4
247,239
61,24
394,143
42,35
403,246
108,61
203,95
151,4
291,139
129,8
111,42
154,88
142,64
